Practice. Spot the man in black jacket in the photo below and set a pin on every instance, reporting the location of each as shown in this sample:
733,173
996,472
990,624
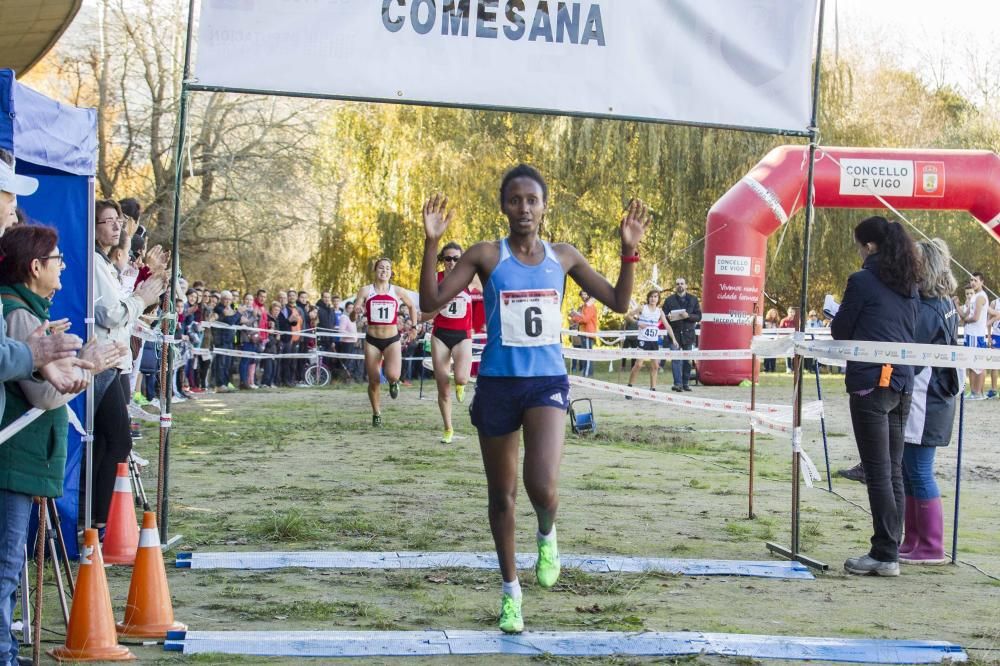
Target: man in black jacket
329,320
683,311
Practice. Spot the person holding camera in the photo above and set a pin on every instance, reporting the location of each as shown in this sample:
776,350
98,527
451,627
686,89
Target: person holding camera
683,312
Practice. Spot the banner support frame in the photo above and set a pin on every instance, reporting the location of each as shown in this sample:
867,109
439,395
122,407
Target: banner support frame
190,85
162,494
193,86
793,551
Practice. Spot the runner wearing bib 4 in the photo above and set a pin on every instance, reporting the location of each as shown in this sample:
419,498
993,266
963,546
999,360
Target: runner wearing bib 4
382,349
522,384
451,343
650,316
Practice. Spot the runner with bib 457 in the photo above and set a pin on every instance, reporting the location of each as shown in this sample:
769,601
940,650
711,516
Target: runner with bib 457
522,383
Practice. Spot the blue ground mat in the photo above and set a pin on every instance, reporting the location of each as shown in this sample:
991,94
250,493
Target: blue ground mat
406,560
464,642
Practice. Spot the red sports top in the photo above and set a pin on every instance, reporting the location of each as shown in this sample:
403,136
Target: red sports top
382,309
478,311
457,314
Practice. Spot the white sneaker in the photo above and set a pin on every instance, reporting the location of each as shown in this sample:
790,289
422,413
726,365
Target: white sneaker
137,459
155,403
178,398
976,396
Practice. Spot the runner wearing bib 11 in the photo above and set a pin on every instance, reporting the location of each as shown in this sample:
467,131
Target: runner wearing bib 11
522,383
451,341
650,316
381,302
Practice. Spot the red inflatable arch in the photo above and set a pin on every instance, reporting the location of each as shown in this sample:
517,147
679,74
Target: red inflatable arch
740,222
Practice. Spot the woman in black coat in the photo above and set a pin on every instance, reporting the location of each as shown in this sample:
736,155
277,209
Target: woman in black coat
880,304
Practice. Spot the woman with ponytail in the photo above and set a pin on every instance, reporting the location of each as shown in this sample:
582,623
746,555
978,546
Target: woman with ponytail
880,304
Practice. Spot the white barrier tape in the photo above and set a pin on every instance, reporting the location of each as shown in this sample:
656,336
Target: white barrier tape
818,332
74,421
166,420
897,353
810,411
662,354
761,423
20,423
772,347
602,334
137,412
806,465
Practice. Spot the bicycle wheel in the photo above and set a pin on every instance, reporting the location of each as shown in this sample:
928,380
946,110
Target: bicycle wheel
317,375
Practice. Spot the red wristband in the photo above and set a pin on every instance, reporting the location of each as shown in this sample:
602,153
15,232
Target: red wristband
634,259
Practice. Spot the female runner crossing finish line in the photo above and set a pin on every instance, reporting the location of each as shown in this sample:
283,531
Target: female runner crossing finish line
522,382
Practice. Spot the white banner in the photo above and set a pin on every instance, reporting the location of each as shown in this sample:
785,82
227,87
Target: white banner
742,63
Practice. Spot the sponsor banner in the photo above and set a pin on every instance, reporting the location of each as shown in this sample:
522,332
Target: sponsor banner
891,178
863,351
730,265
712,62
737,318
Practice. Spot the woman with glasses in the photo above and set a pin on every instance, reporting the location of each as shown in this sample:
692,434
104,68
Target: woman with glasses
32,461
451,342
115,315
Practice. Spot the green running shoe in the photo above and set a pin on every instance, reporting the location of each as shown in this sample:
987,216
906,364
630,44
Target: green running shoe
460,392
447,436
547,566
511,621
376,420
393,390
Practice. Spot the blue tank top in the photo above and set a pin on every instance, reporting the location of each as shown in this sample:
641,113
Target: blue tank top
524,317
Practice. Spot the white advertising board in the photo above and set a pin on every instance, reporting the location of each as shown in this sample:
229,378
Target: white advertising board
731,63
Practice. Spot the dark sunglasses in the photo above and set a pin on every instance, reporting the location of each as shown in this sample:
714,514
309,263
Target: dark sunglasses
450,259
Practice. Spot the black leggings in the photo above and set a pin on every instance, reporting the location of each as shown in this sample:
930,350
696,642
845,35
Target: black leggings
112,444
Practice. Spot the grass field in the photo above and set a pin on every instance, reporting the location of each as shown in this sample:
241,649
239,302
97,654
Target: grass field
303,470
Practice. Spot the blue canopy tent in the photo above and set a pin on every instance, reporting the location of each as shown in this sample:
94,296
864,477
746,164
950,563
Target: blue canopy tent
57,144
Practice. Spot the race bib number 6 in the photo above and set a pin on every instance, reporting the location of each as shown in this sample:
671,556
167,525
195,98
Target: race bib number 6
530,317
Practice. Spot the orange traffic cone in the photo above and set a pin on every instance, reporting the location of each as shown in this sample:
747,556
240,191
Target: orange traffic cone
148,611
91,633
121,538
